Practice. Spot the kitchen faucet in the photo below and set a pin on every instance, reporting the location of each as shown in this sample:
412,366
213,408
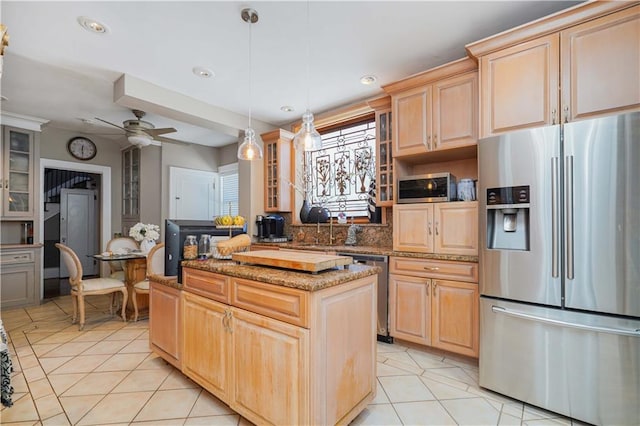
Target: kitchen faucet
331,237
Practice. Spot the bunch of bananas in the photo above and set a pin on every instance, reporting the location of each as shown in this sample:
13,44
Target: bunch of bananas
228,220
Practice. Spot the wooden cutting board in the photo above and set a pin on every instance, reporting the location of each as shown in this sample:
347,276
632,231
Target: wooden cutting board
297,260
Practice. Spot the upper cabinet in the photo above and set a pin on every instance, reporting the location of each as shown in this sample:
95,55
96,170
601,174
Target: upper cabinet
384,151
435,110
571,71
278,155
18,169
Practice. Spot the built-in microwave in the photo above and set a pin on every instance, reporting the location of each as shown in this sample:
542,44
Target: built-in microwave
427,188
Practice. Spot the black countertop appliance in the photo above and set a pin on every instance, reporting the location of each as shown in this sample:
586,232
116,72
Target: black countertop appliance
272,229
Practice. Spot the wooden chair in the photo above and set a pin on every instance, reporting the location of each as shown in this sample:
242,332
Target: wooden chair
155,266
93,286
117,270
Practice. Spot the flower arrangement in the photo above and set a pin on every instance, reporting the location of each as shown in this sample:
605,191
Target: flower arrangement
141,231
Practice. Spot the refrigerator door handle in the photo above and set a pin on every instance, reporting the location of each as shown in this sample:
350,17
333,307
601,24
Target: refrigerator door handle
555,218
610,330
569,212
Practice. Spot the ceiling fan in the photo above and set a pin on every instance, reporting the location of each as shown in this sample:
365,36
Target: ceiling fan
142,133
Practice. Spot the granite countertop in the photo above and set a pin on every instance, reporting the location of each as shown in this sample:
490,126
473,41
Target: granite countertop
169,281
382,251
285,277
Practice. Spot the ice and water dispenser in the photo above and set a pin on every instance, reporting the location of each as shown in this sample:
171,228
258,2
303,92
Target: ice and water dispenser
508,218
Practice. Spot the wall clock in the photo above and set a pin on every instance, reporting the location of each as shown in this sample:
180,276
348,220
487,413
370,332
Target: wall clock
82,148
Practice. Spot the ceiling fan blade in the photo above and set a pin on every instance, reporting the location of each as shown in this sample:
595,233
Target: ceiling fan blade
111,124
154,132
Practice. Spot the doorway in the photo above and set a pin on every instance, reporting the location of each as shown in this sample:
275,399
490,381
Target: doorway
70,175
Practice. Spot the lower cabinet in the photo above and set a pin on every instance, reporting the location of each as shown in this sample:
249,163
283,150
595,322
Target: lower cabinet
19,277
165,333
305,367
442,313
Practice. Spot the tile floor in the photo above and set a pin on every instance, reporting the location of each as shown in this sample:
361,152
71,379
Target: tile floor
107,375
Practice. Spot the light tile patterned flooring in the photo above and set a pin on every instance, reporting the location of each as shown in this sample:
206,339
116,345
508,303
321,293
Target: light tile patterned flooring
106,374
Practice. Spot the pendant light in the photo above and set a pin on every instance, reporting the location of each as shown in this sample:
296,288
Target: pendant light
249,148
308,138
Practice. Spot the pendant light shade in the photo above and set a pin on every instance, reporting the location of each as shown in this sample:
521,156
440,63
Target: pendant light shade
308,138
249,148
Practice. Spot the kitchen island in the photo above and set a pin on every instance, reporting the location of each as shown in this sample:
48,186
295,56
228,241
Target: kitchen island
279,346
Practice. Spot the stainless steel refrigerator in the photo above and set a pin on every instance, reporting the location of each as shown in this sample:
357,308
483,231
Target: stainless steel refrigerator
560,268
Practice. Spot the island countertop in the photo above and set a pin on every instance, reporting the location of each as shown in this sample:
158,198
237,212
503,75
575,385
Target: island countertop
284,277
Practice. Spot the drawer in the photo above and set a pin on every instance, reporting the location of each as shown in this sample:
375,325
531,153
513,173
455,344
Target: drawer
282,303
16,257
441,269
206,284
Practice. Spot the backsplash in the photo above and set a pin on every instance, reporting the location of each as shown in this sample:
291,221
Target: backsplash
371,234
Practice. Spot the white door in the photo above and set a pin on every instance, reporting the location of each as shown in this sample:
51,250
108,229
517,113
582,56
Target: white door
192,194
78,227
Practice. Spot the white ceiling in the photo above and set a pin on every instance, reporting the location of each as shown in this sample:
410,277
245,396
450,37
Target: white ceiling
56,70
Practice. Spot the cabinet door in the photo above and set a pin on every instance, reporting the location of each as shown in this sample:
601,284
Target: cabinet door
384,156
164,322
206,349
456,228
455,112
601,66
413,227
18,285
412,127
270,370
519,86
278,151
455,317
18,155
410,308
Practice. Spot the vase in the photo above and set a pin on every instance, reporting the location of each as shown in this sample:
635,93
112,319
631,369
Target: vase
146,245
304,211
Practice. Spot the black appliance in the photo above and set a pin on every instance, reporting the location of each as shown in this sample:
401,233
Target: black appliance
272,229
176,231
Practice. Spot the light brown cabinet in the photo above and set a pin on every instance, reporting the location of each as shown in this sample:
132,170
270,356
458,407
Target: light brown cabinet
17,177
427,310
384,155
445,228
437,116
165,333
278,155
250,344
564,76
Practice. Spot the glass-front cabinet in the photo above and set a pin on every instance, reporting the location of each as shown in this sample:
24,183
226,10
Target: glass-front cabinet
130,185
278,154
17,173
385,158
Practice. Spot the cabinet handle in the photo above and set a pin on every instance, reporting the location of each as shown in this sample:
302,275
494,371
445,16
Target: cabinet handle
566,113
429,228
225,320
553,116
435,140
437,228
428,284
6,184
435,288
431,268
229,316
429,142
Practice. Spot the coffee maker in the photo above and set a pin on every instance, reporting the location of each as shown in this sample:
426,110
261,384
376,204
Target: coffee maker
270,228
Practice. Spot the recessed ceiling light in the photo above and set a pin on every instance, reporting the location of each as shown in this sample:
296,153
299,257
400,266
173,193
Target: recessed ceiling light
368,79
92,25
286,108
203,72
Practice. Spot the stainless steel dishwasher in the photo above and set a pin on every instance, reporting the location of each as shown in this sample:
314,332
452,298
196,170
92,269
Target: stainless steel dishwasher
383,290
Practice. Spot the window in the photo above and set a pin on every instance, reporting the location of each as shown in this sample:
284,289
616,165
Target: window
229,189
341,176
